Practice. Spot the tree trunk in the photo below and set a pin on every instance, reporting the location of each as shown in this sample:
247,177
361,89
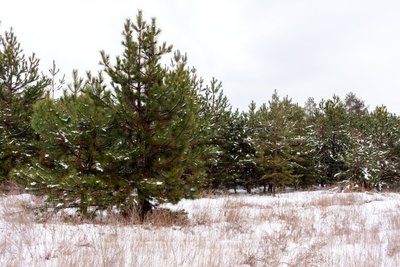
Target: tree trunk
144,206
270,188
83,206
248,189
144,209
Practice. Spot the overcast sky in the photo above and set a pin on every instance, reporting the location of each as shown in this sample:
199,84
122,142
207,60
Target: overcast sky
302,48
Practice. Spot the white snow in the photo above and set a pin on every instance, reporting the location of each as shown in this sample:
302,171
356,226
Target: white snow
98,167
319,228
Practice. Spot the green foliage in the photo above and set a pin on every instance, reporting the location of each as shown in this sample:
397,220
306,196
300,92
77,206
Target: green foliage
383,135
157,134
275,139
21,86
331,138
157,111
215,114
239,154
75,135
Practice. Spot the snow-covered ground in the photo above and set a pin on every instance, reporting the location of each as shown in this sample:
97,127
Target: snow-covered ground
320,228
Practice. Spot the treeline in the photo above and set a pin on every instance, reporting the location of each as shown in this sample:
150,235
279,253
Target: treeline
157,133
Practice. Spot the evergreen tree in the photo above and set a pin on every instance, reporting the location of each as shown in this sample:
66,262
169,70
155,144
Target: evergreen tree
21,86
275,138
357,113
360,159
74,169
250,139
216,116
384,135
357,157
302,149
239,151
331,139
157,112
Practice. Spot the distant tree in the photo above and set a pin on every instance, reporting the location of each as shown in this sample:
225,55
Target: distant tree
310,108
356,111
331,139
21,86
383,136
240,152
302,149
249,164
357,155
355,106
275,138
216,115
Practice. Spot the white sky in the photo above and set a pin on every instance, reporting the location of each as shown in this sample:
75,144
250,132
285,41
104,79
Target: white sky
301,48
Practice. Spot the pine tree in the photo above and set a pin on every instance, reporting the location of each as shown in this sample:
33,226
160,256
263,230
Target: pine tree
216,115
331,139
242,167
74,169
21,86
157,113
357,155
275,138
302,151
383,139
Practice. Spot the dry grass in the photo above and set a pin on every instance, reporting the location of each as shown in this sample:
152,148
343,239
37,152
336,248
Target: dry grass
160,217
167,218
11,188
321,230
393,248
337,199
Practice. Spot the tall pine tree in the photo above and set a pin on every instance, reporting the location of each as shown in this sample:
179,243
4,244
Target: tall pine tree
216,115
21,86
275,140
331,139
157,112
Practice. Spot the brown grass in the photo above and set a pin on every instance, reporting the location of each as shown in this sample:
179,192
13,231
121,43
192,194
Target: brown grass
325,230
167,218
159,217
393,248
337,199
11,188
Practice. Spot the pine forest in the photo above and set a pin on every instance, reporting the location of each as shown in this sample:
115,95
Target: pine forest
148,130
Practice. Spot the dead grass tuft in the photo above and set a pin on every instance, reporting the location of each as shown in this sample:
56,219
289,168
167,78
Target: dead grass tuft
165,218
11,188
18,210
393,247
337,199
394,222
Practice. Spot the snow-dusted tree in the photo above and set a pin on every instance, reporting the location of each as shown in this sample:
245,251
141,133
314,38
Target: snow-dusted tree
158,115
274,140
21,85
383,137
239,151
302,149
331,139
357,156
74,169
215,114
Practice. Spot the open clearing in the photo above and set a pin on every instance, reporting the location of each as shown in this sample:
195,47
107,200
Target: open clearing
318,228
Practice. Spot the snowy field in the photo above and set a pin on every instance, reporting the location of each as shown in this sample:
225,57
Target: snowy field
320,228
